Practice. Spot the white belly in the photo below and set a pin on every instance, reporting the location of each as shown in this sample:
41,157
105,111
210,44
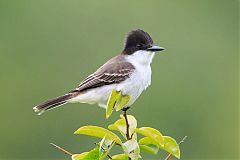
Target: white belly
133,86
138,82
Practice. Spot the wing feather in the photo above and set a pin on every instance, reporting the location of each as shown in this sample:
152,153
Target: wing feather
114,71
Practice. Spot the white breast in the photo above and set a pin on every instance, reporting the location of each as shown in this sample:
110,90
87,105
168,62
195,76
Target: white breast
142,62
140,79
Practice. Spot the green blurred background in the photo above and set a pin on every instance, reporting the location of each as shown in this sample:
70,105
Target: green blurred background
45,47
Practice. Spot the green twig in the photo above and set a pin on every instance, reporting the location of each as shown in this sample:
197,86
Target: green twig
170,155
61,149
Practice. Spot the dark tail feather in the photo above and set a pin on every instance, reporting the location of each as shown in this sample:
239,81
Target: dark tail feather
53,103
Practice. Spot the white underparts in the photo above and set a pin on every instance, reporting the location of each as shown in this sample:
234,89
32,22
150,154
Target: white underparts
138,81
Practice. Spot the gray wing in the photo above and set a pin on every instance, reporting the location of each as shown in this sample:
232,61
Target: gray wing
115,70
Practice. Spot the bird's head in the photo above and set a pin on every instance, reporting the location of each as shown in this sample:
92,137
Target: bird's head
139,40
140,44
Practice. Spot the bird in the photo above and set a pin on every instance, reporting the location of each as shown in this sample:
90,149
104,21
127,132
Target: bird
129,72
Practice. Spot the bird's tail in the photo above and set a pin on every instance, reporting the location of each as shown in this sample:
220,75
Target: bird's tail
53,103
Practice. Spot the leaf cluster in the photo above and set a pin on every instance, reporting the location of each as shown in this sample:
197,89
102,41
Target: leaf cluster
151,142
130,145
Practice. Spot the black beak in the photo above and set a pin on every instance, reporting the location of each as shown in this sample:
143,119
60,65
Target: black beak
155,48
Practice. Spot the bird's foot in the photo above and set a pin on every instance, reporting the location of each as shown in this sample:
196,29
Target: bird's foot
125,109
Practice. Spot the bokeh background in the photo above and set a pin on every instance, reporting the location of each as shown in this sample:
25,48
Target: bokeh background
48,46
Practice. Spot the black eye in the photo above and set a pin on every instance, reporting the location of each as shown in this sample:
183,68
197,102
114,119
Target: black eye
139,46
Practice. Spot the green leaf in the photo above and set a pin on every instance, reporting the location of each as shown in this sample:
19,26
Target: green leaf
120,125
151,148
131,148
113,127
111,102
122,102
79,156
146,141
92,155
120,157
149,145
98,132
153,134
105,146
171,146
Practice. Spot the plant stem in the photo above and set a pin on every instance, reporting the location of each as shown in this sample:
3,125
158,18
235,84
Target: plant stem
109,156
170,155
127,125
103,149
61,149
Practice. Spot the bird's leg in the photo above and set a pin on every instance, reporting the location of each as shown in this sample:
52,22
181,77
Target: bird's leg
127,124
